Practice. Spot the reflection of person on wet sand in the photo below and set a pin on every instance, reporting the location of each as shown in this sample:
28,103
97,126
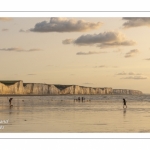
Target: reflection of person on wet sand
124,112
10,101
124,103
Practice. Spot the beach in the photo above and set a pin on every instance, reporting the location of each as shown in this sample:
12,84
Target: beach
61,114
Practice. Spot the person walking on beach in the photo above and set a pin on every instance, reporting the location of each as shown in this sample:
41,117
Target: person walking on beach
10,101
79,99
82,99
124,103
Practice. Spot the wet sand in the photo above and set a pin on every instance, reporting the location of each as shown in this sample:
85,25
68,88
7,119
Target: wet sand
61,114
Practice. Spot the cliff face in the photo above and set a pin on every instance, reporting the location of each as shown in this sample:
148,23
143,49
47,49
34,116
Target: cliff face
40,89
126,91
13,88
18,87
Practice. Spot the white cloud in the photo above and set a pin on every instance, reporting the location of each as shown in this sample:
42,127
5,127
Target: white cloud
65,25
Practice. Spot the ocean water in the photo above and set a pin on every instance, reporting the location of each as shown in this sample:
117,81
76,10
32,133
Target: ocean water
61,114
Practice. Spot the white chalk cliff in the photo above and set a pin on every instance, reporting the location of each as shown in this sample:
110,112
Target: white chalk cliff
20,88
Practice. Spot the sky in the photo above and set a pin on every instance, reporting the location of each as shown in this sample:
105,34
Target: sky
88,51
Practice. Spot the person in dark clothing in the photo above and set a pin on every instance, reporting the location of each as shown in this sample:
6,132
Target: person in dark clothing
124,103
10,101
79,99
82,99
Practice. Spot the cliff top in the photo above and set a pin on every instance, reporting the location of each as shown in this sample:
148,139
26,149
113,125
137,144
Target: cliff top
61,87
9,82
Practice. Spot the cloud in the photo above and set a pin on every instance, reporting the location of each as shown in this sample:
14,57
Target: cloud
104,40
101,66
104,66
130,73
135,77
21,30
65,25
15,49
136,22
122,73
5,29
117,43
5,19
131,53
147,59
88,53
67,41
88,83
33,50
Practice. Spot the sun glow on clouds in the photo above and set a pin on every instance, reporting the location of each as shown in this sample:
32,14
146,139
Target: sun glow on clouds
65,25
105,46
102,40
136,22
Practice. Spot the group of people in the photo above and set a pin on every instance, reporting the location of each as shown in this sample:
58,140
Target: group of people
82,98
78,99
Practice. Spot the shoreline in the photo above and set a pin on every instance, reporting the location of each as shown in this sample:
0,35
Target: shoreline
6,95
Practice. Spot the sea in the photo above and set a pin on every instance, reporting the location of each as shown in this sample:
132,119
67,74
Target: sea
64,114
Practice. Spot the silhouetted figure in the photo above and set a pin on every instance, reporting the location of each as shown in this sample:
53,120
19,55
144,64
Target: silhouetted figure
124,103
82,99
79,99
10,101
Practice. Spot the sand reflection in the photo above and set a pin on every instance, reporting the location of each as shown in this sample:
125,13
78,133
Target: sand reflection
58,114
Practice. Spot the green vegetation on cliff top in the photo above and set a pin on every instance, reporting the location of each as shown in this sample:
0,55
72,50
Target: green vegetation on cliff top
9,82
